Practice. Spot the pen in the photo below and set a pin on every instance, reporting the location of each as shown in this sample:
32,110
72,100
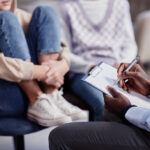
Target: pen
132,63
130,66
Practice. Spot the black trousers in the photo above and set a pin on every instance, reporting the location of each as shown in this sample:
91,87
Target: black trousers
99,136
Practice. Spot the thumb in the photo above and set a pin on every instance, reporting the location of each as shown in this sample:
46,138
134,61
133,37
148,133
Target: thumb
112,91
107,99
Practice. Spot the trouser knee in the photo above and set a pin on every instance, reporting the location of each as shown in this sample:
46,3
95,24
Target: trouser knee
46,13
8,19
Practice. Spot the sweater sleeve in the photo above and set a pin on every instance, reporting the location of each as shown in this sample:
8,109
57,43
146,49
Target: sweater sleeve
129,47
15,70
139,116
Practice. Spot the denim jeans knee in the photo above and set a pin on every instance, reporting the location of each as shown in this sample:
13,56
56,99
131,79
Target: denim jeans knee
46,21
46,11
7,16
8,19
12,39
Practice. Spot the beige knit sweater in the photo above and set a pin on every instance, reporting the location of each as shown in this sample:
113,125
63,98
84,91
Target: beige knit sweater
15,69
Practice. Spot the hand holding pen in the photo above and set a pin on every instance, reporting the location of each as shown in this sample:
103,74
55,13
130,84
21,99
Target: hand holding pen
137,78
134,61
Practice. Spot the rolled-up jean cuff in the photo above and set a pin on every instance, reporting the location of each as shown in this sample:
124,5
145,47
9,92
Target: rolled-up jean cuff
47,51
25,58
16,55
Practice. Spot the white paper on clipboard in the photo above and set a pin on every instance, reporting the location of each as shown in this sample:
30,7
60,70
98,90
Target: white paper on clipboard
103,75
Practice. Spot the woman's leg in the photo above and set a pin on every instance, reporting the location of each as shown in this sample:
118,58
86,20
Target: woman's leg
99,136
44,37
12,44
89,94
44,42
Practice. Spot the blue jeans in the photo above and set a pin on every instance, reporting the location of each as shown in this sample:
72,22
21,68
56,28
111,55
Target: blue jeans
89,94
43,37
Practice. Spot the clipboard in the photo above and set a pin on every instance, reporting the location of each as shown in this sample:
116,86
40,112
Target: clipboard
104,75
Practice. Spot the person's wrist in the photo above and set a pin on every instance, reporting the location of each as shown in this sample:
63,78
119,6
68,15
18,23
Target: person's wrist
124,111
35,72
40,71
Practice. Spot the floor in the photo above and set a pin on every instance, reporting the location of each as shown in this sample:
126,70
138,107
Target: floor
36,141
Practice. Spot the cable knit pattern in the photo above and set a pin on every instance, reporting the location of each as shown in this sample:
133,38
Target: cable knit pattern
109,40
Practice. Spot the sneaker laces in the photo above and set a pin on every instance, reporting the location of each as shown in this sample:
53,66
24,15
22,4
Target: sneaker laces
48,100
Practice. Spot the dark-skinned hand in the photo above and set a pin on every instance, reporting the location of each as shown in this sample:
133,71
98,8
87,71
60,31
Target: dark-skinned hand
117,102
137,79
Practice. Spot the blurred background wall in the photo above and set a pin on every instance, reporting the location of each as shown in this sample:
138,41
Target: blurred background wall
140,12
138,6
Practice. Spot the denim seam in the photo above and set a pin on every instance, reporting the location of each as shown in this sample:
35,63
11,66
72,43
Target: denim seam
46,51
7,42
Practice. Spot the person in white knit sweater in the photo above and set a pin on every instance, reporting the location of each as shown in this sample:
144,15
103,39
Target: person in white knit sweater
96,30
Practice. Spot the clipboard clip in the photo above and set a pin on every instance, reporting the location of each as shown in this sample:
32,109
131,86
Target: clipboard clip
95,71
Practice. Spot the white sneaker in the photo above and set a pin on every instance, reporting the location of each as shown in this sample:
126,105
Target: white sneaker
45,113
67,108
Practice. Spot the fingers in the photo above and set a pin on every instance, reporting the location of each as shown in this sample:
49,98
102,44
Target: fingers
128,88
131,75
121,83
109,102
121,69
57,84
125,86
107,99
138,68
113,92
124,66
53,78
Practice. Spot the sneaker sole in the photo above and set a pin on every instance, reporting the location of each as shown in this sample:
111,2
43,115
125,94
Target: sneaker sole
78,116
49,123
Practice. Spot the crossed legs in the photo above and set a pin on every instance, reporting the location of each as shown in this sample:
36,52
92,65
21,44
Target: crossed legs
41,44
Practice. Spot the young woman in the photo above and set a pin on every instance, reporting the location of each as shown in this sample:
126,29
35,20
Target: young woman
94,31
34,38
